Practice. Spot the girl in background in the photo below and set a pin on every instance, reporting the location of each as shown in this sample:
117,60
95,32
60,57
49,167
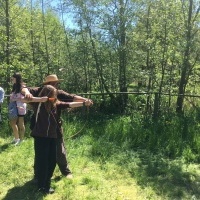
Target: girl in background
2,93
17,109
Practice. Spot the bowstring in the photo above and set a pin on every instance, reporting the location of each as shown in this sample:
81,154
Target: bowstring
84,125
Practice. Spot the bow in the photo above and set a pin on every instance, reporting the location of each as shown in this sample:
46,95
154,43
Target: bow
84,125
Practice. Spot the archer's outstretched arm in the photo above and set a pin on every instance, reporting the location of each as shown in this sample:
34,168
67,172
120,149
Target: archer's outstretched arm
79,104
33,99
82,99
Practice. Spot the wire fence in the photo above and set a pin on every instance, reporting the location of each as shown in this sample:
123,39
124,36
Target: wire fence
136,93
139,93
152,102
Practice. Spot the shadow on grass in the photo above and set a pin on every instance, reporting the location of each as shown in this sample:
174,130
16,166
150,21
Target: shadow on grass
24,192
166,177
4,147
170,179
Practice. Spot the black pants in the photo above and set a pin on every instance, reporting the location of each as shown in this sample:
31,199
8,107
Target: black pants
45,160
61,158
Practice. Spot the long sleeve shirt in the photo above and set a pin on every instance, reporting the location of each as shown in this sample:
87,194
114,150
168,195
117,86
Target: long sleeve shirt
1,95
47,124
62,96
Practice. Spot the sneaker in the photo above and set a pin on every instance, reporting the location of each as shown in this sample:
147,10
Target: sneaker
69,176
13,141
46,191
17,142
50,191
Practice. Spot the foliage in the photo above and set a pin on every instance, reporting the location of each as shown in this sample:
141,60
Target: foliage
104,46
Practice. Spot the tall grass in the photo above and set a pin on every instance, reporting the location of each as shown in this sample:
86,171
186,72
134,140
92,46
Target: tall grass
173,136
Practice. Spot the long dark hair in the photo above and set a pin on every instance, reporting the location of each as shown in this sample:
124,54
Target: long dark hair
19,83
51,92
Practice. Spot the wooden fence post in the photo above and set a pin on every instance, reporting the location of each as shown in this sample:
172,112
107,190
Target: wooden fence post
156,106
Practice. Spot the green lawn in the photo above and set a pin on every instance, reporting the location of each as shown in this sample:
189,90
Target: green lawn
102,170
92,179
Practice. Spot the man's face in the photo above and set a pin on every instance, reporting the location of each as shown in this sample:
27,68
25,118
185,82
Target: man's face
54,84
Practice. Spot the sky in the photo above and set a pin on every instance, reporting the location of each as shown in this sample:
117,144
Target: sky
55,4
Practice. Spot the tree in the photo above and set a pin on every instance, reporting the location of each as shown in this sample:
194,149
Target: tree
190,12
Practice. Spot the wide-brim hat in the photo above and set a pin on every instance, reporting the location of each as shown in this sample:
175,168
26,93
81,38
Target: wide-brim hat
51,78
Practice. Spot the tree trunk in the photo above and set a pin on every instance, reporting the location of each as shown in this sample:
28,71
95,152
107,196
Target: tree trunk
122,57
149,67
7,51
186,68
45,38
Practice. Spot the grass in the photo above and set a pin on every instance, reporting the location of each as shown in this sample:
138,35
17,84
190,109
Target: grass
105,167
92,180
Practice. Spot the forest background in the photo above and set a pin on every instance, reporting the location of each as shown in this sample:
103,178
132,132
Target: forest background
139,61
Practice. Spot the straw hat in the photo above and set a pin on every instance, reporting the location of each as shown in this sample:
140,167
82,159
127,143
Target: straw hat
51,78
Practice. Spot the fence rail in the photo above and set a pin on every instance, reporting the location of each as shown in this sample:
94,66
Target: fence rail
141,93
138,93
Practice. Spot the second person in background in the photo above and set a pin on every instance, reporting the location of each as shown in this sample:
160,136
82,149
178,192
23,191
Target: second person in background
2,93
65,97
17,109
45,134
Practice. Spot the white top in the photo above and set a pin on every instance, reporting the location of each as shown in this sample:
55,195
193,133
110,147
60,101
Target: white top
2,93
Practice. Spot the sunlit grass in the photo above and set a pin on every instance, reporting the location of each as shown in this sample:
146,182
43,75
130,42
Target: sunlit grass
106,164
